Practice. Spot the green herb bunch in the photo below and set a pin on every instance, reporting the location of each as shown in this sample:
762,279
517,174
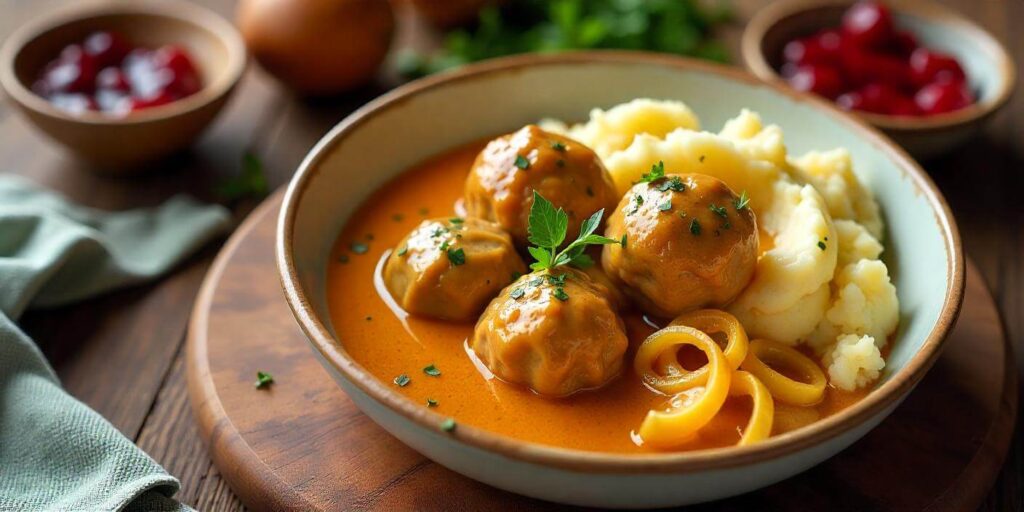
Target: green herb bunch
681,27
547,231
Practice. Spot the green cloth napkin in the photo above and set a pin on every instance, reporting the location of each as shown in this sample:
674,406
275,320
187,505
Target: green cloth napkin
55,453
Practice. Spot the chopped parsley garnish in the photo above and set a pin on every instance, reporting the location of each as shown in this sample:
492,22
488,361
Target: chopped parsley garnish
402,251
448,425
742,201
444,245
438,231
359,248
560,162
263,379
673,183
657,172
402,380
369,236
522,162
343,259
639,202
369,318
456,256
547,229
821,245
719,210
517,293
432,371
560,294
623,241
557,146
694,227
424,211
666,206
701,159
431,402
456,220
397,217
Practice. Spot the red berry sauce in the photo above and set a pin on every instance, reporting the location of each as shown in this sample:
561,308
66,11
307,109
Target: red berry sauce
870,65
105,73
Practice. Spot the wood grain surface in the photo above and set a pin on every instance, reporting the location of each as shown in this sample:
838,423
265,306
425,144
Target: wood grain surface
143,329
302,444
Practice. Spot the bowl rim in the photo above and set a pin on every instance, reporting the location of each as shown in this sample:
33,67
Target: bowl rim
178,10
331,352
766,19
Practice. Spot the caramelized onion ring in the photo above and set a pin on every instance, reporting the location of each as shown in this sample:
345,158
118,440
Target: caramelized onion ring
759,427
711,321
782,387
693,407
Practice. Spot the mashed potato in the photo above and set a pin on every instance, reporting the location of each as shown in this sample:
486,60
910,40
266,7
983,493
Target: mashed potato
820,282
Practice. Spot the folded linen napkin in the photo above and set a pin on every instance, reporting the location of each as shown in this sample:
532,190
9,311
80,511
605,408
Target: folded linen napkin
56,453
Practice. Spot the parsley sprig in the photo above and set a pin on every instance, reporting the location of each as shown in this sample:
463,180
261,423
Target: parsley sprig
547,229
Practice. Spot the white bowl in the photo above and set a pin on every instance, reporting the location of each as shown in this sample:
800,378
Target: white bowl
426,117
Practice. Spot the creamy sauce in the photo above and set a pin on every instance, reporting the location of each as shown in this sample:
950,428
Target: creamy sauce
388,343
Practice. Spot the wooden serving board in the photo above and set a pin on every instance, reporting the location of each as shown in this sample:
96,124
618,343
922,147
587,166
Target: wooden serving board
303,445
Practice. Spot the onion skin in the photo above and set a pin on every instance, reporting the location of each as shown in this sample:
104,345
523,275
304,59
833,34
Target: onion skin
318,47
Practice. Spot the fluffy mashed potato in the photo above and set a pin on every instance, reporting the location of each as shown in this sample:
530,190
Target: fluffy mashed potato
819,281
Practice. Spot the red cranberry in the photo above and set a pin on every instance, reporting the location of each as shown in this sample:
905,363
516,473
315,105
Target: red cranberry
162,98
939,97
903,106
903,43
74,71
861,67
821,80
929,66
108,48
74,103
185,79
822,48
112,79
868,24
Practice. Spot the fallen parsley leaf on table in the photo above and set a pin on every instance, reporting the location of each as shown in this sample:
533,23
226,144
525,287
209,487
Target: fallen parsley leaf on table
250,182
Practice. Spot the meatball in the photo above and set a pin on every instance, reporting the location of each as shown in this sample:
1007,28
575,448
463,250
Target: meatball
690,243
567,173
451,268
554,331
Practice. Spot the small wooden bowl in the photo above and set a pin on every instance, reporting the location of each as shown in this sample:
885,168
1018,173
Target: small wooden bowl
118,145
990,70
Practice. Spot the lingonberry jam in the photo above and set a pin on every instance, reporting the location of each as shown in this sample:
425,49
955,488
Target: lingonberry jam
870,65
106,73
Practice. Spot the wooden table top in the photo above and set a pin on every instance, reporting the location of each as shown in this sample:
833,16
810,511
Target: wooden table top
143,328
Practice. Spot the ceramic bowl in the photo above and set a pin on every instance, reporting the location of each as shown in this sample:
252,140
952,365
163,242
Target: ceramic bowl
990,70
121,144
429,116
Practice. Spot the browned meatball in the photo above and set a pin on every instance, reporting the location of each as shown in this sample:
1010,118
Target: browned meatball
451,268
690,243
554,332
567,173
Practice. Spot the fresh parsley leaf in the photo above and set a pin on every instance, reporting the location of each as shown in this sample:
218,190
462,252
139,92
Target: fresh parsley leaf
448,425
547,231
694,227
581,260
719,210
402,380
263,379
522,162
657,172
560,294
547,225
457,256
742,201
432,371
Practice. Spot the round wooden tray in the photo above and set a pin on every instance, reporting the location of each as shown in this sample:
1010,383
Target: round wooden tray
303,445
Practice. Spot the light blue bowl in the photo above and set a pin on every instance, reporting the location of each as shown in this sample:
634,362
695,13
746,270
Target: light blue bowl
421,119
